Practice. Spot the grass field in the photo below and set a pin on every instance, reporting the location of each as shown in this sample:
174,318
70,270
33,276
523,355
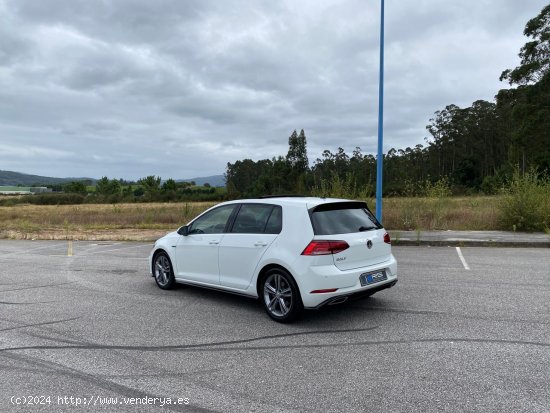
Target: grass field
476,213
141,221
148,221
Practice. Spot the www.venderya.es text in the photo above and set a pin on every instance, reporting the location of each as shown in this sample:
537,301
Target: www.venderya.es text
94,400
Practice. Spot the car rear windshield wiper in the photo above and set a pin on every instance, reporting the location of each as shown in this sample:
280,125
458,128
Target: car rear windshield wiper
363,228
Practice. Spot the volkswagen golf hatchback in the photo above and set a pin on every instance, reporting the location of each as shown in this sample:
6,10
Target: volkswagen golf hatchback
290,252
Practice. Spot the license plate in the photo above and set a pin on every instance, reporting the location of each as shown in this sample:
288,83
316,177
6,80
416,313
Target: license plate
372,277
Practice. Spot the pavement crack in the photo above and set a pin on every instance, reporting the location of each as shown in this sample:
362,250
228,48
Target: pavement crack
96,381
37,286
189,346
207,347
443,313
6,367
162,375
40,324
58,340
36,302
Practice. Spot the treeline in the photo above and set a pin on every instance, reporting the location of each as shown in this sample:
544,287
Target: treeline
148,189
473,149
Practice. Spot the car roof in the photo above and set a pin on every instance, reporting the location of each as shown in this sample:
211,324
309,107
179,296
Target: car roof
291,200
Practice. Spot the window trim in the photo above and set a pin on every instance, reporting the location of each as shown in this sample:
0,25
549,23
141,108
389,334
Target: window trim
268,218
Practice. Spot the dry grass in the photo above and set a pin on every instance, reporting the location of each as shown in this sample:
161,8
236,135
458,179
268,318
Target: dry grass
96,221
149,221
457,213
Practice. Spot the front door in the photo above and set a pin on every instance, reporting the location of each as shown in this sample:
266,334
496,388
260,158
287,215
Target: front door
197,253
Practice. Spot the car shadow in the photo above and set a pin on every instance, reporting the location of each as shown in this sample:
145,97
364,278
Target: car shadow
325,316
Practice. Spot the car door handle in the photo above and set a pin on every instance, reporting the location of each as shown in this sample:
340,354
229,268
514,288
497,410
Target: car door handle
260,244
214,242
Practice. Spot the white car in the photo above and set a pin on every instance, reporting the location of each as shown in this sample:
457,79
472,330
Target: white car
291,252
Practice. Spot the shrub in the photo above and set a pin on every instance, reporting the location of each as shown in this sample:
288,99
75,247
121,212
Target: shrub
54,199
438,189
492,184
75,187
338,188
436,203
526,202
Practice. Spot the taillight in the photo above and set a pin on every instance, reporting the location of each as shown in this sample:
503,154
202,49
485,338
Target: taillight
387,238
324,247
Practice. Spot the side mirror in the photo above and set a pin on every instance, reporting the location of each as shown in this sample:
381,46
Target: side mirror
183,230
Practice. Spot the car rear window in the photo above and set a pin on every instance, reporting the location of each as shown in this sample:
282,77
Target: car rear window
342,218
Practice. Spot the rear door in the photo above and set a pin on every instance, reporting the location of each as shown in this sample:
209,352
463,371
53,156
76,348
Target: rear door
354,223
255,227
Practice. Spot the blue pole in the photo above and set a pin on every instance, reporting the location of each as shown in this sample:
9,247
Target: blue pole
380,120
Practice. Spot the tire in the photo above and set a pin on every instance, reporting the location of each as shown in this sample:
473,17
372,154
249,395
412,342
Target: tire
163,271
281,296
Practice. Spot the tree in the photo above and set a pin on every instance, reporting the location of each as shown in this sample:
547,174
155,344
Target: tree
151,185
535,55
106,186
242,175
186,184
297,152
169,185
525,119
75,187
298,161
525,111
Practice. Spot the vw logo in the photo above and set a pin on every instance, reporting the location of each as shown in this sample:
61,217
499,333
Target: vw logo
369,244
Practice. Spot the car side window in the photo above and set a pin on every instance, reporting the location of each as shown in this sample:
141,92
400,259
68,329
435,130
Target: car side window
275,222
252,219
213,222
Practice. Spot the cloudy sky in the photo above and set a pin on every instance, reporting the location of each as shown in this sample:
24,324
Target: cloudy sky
178,88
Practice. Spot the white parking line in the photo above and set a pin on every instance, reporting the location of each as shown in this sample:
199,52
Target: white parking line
30,250
116,249
466,267
95,246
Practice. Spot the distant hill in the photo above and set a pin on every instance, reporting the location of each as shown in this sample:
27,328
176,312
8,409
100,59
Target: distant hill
17,178
10,178
214,180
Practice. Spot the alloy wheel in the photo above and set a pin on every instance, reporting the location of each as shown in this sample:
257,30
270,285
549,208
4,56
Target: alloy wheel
277,295
163,270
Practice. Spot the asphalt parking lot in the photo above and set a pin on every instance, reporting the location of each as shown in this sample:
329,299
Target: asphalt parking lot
459,332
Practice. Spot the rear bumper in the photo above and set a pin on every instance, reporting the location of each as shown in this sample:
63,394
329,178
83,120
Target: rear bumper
339,299
347,283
